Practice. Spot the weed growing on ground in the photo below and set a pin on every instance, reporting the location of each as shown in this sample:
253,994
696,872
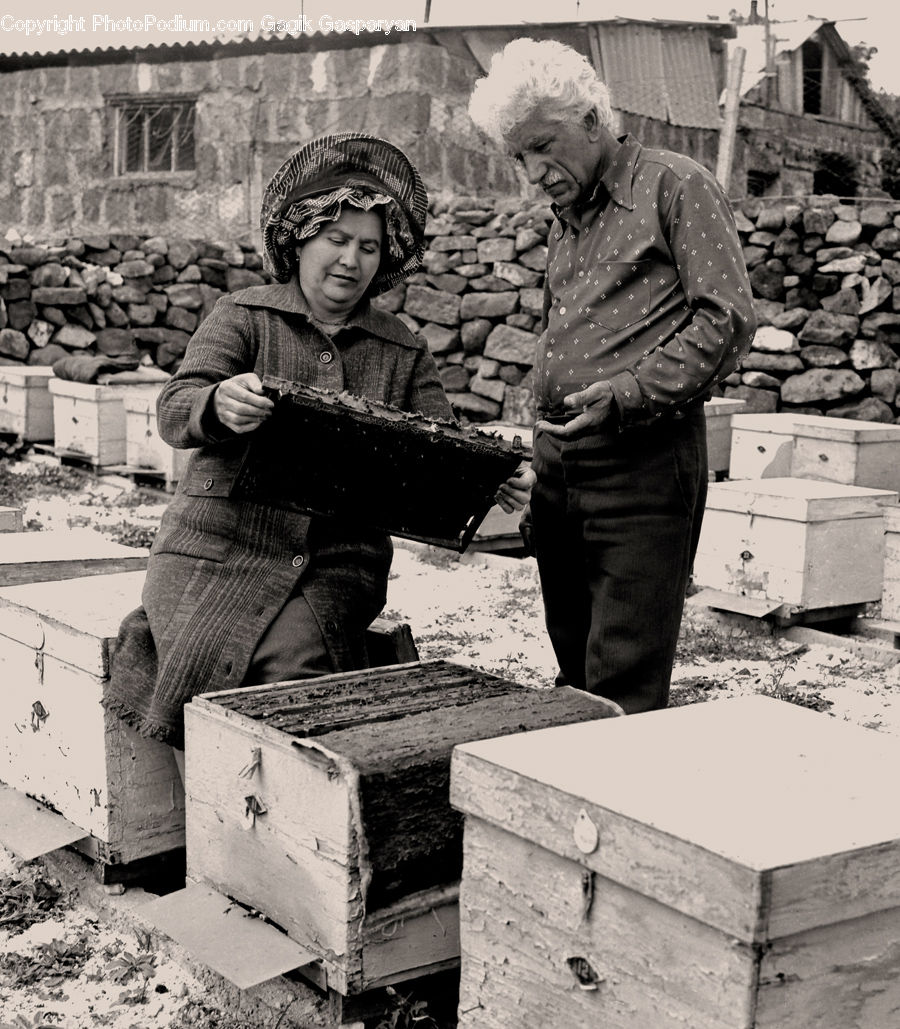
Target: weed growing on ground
438,557
42,1020
28,897
407,1013
39,480
131,535
128,967
50,964
693,691
701,640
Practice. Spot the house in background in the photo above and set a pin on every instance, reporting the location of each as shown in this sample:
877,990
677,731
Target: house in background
181,138
808,123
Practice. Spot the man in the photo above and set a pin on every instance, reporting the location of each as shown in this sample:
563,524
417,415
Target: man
647,306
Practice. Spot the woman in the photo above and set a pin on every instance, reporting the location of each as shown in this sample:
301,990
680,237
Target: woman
238,592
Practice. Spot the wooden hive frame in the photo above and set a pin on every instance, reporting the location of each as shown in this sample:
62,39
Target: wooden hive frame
346,457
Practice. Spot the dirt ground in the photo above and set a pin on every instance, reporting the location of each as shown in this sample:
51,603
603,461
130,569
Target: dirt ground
63,965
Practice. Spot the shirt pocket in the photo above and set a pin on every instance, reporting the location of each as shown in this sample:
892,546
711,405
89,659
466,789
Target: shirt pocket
621,294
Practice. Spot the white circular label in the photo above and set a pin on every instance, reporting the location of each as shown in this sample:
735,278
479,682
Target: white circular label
587,836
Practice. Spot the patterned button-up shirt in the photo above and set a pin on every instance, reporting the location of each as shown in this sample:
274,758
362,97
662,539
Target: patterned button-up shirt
646,288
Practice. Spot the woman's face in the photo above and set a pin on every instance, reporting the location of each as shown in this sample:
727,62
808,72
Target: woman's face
338,264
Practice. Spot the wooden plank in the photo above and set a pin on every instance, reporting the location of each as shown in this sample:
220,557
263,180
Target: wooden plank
414,936
245,950
880,655
30,829
63,554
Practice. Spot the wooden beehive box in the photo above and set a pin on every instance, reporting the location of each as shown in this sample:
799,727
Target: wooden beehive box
144,447
89,420
846,450
801,542
890,601
719,412
354,850
762,446
57,743
54,554
10,519
717,866
26,407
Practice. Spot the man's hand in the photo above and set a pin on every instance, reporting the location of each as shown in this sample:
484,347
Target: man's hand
591,408
514,493
239,403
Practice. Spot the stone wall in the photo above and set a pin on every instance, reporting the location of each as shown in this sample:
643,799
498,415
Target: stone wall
826,281
825,275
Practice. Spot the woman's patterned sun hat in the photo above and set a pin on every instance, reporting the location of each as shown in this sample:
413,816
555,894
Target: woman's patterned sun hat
311,186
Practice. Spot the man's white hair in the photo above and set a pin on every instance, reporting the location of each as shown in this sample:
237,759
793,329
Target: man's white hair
529,75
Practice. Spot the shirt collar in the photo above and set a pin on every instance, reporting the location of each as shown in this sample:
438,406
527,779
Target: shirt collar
288,298
615,184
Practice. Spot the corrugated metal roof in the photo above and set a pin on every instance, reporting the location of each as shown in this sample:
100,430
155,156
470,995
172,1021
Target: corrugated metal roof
56,45
786,36
663,74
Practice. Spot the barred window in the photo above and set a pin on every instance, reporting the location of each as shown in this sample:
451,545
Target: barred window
152,135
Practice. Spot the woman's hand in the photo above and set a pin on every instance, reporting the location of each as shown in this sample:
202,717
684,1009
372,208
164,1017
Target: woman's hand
239,403
514,493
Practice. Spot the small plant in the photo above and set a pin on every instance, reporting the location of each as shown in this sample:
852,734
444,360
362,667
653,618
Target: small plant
50,965
693,691
438,557
127,967
26,898
131,535
804,698
407,1013
42,1020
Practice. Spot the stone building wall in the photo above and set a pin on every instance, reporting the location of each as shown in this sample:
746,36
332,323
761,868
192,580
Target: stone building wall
825,276
252,110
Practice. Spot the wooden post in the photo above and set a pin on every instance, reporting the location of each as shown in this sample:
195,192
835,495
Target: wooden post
729,127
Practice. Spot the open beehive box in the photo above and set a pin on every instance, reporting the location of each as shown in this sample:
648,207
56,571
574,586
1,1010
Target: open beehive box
324,804
346,457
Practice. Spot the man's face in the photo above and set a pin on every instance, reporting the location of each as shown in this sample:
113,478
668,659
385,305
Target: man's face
562,156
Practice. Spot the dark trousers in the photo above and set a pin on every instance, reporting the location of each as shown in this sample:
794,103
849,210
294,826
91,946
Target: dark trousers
615,523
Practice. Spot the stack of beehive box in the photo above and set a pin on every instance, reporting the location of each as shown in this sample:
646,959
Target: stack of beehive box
324,805
751,884
799,527
26,406
119,793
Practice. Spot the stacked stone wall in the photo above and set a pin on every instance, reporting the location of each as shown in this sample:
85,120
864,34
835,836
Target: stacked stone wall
826,285
825,276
